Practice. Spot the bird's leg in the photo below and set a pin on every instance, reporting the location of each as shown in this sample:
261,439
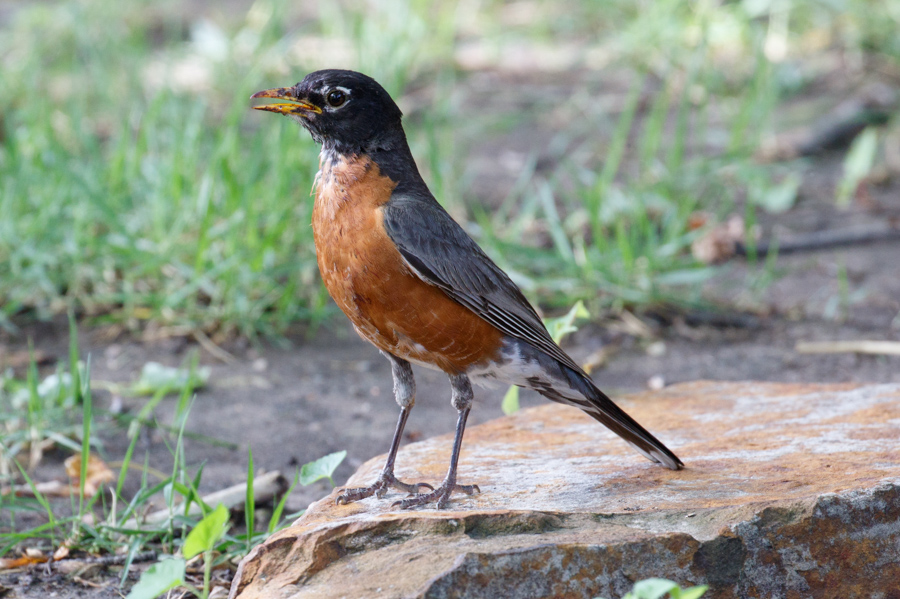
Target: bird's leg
462,401
405,394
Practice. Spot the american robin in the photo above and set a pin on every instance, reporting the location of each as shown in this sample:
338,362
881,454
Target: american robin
412,281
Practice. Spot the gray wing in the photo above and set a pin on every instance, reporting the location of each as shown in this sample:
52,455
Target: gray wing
442,254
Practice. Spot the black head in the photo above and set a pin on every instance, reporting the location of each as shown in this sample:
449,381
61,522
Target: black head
344,110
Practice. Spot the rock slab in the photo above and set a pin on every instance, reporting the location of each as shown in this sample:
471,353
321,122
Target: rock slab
788,491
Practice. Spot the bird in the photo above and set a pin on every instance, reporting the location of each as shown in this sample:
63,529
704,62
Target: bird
415,284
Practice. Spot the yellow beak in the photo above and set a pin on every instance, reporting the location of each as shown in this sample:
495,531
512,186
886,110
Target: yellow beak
293,105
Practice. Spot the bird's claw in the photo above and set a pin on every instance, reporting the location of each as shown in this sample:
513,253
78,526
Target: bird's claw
379,488
441,495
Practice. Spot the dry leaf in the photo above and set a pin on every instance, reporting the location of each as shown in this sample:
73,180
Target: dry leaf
62,552
8,563
98,474
698,220
720,242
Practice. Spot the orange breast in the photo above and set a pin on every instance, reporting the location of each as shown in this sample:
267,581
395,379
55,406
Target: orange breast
369,280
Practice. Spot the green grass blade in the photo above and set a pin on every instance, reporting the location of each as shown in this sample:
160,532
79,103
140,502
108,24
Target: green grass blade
87,420
73,359
250,501
275,520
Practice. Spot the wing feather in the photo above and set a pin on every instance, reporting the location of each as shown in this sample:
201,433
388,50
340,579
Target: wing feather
441,253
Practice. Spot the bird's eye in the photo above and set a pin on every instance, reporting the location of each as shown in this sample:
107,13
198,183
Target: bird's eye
336,98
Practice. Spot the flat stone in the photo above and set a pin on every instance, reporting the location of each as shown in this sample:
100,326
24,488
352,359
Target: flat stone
788,491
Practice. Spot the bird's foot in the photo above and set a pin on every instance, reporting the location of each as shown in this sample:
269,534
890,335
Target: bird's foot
379,488
441,495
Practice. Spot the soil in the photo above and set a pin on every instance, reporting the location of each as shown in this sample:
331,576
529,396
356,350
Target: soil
294,402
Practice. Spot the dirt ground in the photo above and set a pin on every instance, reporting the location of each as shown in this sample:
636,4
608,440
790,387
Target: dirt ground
332,391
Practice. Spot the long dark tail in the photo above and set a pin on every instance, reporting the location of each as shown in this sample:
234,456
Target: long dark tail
600,407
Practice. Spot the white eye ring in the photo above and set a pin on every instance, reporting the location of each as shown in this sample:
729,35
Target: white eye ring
336,97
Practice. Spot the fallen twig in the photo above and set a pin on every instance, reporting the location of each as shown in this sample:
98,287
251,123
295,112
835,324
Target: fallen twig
265,487
873,105
820,240
118,560
863,346
216,351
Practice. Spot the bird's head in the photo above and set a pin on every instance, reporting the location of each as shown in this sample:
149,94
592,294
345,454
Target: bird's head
344,110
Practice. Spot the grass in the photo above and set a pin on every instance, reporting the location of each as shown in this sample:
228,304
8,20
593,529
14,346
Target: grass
111,522
137,187
129,199
621,235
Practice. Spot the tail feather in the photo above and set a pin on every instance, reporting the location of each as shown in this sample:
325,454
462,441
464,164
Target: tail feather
531,367
600,407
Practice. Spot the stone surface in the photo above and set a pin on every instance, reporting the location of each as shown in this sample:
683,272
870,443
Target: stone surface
789,491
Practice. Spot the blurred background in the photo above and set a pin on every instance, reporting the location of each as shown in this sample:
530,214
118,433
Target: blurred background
586,145
717,180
